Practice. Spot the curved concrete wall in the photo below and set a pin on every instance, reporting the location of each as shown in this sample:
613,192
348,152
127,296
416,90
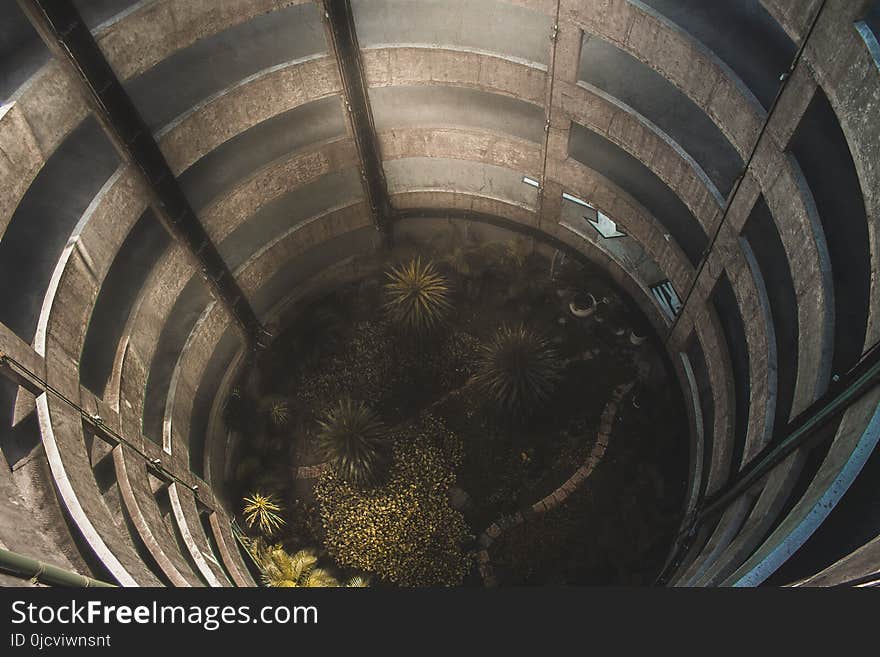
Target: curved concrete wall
642,109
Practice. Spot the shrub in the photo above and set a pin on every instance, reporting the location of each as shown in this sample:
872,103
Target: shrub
517,369
358,582
364,365
263,511
283,569
417,296
279,414
404,531
354,440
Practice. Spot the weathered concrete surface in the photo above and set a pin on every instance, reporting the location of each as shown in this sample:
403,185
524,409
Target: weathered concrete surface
519,32
32,125
271,182
189,371
856,437
760,393
145,515
405,66
242,106
32,522
678,57
135,352
229,551
846,62
793,15
186,516
61,428
839,60
856,565
138,40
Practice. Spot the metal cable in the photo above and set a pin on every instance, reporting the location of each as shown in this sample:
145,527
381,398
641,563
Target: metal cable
95,421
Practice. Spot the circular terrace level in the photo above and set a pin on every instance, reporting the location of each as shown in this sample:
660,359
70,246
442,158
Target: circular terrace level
177,180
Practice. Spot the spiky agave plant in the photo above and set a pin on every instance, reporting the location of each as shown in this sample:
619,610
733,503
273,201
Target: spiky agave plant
417,296
354,440
518,369
280,568
263,511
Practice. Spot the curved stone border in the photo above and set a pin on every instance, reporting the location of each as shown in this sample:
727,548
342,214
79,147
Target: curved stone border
559,495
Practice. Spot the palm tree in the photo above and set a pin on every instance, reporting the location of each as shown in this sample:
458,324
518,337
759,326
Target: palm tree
279,413
283,569
263,511
358,582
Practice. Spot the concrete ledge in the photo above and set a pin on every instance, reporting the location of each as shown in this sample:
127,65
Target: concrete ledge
765,514
244,105
84,264
32,125
678,57
639,223
482,146
406,66
761,395
61,428
848,70
856,438
190,368
793,15
708,330
229,551
139,39
145,516
859,563
186,515
643,140
257,270
136,348
238,205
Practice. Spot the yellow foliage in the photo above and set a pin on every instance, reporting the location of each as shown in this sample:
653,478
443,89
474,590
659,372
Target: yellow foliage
405,531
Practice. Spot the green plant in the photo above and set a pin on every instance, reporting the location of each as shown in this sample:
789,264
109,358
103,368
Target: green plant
417,296
263,511
404,531
279,414
517,369
283,569
354,440
358,582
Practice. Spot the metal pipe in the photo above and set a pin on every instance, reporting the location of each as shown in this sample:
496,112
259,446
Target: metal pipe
28,568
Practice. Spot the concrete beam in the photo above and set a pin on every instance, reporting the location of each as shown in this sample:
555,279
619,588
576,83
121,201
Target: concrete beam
344,45
64,32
